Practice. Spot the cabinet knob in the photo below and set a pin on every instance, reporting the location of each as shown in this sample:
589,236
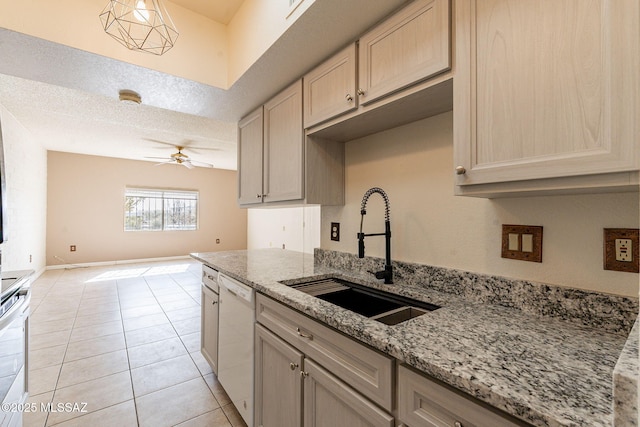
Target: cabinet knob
293,366
214,302
457,424
349,98
361,92
460,170
259,196
304,374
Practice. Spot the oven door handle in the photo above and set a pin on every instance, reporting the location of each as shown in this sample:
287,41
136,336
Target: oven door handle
17,310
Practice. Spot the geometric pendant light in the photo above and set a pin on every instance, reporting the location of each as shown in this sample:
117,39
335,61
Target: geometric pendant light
143,25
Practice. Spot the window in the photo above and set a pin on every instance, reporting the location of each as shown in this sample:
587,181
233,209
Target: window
160,210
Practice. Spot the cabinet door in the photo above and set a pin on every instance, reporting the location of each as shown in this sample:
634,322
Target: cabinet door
546,89
426,402
209,327
250,131
330,89
284,146
412,45
278,384
328,402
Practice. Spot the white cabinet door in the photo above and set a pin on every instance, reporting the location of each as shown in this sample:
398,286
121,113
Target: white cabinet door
546,89
283,177
412,45
330,88
250,130
209,327
278,381
328,402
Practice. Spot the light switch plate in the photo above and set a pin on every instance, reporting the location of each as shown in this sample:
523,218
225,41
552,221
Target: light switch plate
617,259
522,242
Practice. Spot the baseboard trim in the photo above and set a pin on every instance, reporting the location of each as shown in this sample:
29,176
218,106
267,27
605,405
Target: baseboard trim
116,262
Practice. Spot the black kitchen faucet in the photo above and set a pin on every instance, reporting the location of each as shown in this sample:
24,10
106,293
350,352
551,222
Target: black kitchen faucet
387,273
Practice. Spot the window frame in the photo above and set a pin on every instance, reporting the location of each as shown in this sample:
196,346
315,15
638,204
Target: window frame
162,195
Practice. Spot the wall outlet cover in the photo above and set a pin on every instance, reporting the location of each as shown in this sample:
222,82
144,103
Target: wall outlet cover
522,242
628,261
335,231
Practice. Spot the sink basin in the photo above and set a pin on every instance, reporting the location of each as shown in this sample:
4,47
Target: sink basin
378,305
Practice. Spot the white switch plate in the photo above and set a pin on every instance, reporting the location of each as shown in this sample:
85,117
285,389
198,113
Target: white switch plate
513,242
623,250
527,243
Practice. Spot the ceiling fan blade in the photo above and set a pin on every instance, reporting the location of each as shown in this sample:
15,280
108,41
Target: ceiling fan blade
163,163
202,164
160,158
187,163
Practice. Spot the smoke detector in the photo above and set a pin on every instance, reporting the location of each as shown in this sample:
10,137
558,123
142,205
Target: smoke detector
129,97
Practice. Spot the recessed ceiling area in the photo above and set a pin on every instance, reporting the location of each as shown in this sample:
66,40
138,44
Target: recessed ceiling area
68,97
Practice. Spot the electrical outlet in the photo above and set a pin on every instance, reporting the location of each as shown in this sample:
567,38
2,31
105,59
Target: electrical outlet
217,241
335,231
621,249
72,248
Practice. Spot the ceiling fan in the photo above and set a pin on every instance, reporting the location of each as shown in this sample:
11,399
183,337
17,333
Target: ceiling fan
180,158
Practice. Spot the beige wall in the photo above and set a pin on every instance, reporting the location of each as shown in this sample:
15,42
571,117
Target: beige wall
86,196
296,229
414,165
26,191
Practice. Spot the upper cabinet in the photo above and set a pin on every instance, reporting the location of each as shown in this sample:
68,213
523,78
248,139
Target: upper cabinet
283,146
330,89
395,74
546,96
409,47
277,164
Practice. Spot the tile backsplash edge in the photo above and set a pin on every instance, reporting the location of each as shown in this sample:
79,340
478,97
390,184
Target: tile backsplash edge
610,313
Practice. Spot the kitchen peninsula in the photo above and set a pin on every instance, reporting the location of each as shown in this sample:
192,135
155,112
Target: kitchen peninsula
544,355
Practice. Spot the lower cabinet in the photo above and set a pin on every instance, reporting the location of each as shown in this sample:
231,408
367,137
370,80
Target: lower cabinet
278,383
423,401
284,375
209,327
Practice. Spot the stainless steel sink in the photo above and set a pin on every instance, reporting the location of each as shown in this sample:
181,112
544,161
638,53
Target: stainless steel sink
378,305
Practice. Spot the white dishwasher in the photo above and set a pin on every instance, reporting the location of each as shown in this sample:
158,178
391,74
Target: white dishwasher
235,343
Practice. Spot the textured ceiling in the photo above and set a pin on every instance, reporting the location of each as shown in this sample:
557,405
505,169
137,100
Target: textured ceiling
67,97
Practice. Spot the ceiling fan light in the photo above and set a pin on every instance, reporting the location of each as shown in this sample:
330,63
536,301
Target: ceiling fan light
129,97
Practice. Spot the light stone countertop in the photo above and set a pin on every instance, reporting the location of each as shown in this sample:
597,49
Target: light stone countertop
543,370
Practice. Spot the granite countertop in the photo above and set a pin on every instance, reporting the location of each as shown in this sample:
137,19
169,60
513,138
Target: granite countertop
543,370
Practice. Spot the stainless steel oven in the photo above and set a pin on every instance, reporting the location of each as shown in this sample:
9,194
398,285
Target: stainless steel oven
14,342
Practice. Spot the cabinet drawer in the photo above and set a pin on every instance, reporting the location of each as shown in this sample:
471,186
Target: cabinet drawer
210,278
426,402
366,370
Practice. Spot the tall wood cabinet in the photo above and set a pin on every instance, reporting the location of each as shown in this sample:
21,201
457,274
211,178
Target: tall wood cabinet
278,164
271,150
546,96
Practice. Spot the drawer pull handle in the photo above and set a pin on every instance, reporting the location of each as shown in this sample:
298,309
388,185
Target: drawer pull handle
293,366
303,334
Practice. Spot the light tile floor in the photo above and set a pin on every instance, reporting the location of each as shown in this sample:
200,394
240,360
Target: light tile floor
125,340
